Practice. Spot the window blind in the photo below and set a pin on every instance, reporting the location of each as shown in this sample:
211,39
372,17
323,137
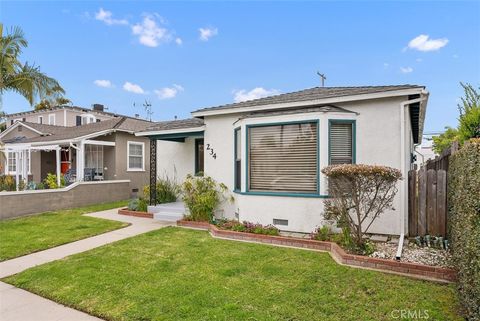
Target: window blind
283,158
341,151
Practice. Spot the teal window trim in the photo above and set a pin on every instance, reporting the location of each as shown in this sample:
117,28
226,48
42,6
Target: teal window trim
198,172
236,132
353,122
276,193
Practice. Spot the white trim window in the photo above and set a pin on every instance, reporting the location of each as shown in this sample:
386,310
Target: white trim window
88,119
283,158
135,156
51,119
11,165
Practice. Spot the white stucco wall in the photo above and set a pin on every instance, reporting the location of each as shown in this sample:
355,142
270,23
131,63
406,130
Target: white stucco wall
378,141
176,159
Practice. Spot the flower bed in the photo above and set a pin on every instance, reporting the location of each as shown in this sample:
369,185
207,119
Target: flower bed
337,253
126,211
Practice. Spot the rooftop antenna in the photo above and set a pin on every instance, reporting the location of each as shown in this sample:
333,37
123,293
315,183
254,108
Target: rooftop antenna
148,108
322,77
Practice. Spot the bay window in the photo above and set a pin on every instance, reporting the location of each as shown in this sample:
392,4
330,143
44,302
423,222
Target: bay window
283,158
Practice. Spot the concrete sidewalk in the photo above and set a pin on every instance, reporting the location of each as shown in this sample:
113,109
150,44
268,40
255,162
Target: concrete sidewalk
20,305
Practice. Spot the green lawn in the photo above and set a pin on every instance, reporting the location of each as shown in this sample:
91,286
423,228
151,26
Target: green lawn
30,234
180,274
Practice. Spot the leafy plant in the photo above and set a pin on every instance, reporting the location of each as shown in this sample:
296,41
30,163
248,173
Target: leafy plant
322,233
202,195
167,190
133,204
51,181
464,224
7,183
248,227
359,195
142,205
468,121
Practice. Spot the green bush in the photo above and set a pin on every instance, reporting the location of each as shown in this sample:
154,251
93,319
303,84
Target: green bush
51,181
464,224
7,183
202,195
138,205
248,227
167,190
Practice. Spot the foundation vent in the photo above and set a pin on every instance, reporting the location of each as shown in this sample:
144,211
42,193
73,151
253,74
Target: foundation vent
277,221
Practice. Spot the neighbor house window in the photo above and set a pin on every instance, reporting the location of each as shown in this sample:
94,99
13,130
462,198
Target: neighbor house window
341,142
51,119
11,163
40,119
238,159
283,158
136,155
199,156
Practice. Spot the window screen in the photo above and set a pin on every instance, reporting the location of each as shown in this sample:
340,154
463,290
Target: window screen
283,158
135,156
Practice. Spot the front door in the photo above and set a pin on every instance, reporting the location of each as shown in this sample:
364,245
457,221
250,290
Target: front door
199,159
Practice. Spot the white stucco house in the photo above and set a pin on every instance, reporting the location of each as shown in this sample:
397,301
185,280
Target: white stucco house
270,151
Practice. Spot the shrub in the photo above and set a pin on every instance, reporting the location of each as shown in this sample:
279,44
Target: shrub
359,194
248,227
464,224
202,195
133,204
167,190
7,183
322,233
51,181
138,205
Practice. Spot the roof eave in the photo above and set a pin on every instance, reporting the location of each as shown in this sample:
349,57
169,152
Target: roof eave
332,100
171,131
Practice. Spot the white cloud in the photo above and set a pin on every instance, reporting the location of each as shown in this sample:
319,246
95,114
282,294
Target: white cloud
178,41
255,93
419,60
207,33
107,18
424,43
406,70
103,83
168,92
150,33
133,88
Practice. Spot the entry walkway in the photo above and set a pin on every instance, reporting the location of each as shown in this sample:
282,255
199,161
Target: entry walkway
20,305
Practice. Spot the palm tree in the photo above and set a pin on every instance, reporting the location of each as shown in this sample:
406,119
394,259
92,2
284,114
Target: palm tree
25,79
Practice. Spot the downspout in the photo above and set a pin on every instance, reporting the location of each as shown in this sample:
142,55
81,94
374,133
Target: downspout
403,169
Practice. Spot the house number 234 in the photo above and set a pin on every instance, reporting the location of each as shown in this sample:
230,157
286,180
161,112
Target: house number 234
211,152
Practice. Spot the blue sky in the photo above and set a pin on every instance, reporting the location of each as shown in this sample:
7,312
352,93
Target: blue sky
181,56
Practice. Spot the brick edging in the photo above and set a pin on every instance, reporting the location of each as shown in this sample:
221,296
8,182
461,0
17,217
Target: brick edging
338,254
126,211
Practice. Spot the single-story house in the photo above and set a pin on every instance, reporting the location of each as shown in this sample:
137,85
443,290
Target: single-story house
270,151
105,150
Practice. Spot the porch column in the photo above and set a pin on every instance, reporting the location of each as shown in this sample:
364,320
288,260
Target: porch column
57,157
17,169
153,171
80,160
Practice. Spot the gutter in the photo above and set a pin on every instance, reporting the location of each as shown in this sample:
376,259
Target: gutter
424,97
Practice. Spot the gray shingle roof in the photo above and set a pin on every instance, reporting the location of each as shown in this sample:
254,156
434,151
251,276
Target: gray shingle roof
66,133
311,94
291,111
176,124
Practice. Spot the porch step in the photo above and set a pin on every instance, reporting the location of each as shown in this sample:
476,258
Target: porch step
165,216
168,211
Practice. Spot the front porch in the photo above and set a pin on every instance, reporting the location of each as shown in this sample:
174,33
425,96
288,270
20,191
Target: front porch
76,161
170,212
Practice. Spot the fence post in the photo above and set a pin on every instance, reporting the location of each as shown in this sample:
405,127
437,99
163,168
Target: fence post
422,202
431,201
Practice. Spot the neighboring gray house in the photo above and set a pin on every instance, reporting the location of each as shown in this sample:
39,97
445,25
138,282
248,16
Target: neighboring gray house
104,150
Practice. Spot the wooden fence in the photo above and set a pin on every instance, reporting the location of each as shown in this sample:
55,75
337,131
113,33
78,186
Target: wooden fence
427,207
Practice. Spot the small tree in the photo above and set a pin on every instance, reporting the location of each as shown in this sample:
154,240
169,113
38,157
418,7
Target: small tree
359,194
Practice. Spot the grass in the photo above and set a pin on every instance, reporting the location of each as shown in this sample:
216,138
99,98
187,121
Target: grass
180,274
24,235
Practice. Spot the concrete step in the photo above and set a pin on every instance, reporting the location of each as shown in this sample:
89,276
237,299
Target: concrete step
167,216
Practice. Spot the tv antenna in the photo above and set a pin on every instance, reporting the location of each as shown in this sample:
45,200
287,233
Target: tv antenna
148,108
322,77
